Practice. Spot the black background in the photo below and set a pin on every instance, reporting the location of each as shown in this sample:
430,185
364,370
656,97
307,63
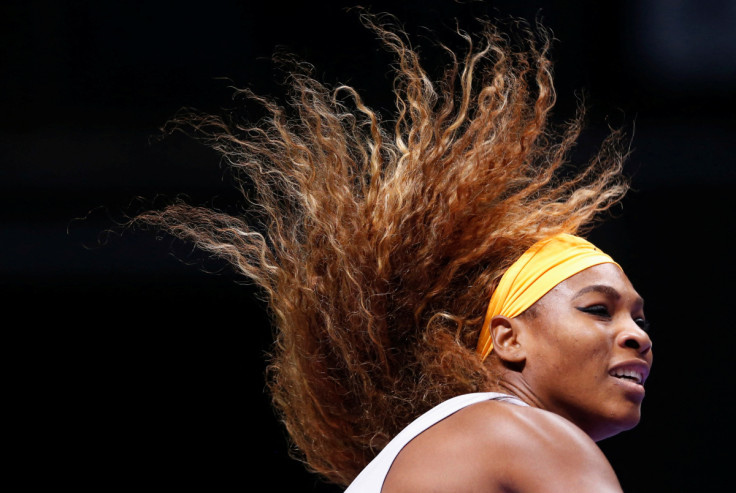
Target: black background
127,366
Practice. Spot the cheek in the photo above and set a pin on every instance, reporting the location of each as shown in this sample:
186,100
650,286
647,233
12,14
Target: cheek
556,357
591,347
567,346
583,355
592,366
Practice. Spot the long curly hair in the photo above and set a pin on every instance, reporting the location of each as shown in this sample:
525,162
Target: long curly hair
377,243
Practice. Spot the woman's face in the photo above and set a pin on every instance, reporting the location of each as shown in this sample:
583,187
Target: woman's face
587,353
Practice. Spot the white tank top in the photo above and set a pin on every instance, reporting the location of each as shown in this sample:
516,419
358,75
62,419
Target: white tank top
371,479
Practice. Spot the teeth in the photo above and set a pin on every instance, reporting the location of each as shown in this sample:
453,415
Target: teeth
628,374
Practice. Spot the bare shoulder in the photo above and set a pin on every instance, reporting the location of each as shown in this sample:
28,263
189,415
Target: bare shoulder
499,447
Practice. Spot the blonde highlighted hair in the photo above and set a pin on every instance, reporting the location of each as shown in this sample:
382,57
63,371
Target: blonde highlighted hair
377,243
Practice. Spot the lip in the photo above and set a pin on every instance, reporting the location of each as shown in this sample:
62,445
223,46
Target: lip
637,365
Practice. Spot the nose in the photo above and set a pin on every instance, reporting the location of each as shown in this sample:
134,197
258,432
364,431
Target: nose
635,338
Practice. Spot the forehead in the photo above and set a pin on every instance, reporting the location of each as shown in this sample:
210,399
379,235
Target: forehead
602,277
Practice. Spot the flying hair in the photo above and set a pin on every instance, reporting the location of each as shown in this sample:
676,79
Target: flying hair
377,242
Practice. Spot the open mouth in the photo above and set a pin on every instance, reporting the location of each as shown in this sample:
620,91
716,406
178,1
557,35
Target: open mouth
629,374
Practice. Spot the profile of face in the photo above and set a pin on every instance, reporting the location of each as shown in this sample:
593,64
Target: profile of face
586,352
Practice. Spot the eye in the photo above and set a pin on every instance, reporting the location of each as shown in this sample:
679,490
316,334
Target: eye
597,310
644,325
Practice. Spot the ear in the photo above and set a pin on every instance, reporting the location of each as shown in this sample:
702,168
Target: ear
506,341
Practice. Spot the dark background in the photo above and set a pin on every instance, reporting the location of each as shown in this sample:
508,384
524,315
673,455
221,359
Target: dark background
126,365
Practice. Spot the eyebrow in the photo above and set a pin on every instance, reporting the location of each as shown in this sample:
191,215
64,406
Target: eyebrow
603,289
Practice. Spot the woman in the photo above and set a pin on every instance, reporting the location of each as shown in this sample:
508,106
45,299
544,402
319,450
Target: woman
378,246
572,354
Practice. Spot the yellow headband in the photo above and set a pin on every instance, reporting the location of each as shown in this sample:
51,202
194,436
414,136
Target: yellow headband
542,267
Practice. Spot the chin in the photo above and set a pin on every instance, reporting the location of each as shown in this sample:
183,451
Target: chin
615,425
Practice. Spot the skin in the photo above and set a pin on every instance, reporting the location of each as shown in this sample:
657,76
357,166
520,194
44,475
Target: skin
558,357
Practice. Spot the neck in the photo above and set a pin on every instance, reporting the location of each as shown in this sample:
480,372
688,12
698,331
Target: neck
513,383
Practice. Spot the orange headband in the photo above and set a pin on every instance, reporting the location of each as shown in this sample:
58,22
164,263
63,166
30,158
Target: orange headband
542,267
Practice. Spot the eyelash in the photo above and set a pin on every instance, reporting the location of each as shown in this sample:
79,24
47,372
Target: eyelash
602,311
598,310
644,325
